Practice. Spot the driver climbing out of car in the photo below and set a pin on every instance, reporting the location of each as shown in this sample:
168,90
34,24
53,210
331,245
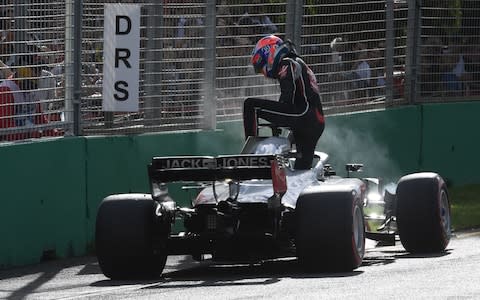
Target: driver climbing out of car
299,106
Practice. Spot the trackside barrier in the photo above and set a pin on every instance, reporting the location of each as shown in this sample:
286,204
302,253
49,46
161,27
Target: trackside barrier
49,200
43,196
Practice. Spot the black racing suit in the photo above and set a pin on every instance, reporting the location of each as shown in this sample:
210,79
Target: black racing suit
298,108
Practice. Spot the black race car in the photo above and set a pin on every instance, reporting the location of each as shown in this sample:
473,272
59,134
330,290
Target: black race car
255,206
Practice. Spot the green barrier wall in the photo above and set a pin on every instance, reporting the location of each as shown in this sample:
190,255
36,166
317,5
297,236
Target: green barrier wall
451,141
43,196
51,189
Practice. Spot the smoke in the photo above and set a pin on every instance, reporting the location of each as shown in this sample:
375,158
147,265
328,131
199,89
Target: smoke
345,145
390,187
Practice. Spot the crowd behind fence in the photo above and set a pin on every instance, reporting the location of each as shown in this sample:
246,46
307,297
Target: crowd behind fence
194,62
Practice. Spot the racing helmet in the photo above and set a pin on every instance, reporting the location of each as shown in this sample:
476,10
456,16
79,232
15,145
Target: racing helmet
267,54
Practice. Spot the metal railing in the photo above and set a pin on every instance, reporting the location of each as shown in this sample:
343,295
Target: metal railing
194,59
449,51
32,51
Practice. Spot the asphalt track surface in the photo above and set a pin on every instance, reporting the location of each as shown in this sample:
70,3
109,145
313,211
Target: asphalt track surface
387,273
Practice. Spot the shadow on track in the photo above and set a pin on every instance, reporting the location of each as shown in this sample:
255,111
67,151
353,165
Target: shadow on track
388,255
52,266
46,271
208,273
403,254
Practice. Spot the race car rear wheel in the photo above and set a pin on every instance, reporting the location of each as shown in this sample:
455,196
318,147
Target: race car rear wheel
423,213
330,230
130,244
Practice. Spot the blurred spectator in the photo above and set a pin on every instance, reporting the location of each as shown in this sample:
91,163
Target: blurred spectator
361,72
377,63
258,20
58,69
472,67
171,80
452,77
336,70
190,39
47,93
19,103
5,71
267,25
189,32
431,67
361,67
337,48
6,38
225,24
245,32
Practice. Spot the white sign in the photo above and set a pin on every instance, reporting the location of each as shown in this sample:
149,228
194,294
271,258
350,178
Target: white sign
121,48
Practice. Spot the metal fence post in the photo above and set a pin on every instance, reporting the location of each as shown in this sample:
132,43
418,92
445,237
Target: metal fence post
209,88
389,51
412,59
293,26
73,65
69,68
77,67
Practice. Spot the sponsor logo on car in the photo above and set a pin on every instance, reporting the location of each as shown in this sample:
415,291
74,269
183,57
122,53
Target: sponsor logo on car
213,163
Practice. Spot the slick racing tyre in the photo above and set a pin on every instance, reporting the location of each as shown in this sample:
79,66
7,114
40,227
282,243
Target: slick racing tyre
330,230
129,242
423,213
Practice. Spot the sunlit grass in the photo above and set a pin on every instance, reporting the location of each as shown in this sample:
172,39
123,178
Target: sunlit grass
465,203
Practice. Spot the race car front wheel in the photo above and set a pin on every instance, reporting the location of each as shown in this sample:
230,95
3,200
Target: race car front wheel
423,213
127,238
330,230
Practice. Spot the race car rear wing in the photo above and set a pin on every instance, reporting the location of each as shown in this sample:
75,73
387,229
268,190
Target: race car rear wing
209,168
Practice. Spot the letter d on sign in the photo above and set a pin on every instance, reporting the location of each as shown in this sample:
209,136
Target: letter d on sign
123,25
121,57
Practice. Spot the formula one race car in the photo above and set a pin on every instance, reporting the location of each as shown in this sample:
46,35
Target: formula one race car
255,206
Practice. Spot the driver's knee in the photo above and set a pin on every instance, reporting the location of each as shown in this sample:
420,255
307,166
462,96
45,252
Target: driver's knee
302,164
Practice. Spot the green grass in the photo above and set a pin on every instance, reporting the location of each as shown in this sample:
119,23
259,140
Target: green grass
465,204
